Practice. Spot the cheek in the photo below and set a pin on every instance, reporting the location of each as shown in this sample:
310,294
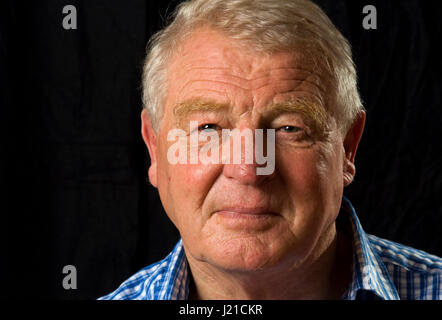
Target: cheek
311,180
312,175
184,187
299,170
194,179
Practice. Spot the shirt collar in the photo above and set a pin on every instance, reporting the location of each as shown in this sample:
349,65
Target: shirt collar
370,279
174,284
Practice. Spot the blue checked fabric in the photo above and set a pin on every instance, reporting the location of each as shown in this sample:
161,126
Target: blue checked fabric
382,270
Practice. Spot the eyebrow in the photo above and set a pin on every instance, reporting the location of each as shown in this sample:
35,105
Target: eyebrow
182,110
313,113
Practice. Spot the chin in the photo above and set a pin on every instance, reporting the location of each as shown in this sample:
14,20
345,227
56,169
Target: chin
246,255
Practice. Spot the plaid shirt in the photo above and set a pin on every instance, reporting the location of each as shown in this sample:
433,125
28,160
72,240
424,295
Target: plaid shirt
382,270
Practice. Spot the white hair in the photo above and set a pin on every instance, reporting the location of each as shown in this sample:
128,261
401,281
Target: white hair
266,25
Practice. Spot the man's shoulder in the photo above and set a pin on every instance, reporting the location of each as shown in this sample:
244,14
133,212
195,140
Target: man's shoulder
415,273
406,257
164,280
139,286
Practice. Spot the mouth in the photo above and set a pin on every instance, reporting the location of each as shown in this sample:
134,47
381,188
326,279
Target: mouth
238,212
241,218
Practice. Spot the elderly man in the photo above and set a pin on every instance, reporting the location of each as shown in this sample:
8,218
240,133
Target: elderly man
283,233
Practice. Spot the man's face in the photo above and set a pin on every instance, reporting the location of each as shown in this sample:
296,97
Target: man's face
227,215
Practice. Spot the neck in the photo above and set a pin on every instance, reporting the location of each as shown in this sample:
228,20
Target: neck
324,275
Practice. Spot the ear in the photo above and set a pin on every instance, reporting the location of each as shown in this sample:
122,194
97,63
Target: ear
351,143
150,139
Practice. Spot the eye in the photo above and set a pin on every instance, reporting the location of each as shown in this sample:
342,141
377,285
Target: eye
292,133
289,129
209,127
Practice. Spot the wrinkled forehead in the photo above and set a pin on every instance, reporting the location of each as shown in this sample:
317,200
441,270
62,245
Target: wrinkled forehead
209,55
206,46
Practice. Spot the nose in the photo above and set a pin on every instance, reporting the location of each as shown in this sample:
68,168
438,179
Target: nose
244,173
243,166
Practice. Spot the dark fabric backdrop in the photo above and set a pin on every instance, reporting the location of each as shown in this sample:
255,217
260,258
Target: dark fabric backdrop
74,166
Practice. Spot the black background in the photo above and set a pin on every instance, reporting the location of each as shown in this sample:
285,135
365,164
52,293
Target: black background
74,166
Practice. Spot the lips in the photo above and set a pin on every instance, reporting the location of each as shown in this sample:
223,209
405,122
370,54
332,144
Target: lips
245,216
246,219
243,211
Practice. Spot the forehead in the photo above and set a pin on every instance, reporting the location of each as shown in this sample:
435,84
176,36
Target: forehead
214,47
211,65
